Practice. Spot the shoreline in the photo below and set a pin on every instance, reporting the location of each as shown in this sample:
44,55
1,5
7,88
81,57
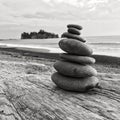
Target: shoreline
105,59
54,48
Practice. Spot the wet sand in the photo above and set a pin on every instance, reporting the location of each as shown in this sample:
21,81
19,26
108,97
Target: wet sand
103,64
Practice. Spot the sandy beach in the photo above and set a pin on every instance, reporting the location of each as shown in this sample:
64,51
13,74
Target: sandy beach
27,92
103,63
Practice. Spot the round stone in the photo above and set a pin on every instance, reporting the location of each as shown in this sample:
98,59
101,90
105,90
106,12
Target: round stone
74,84
77,59
73,31
72,36
74,70
75,47
74,26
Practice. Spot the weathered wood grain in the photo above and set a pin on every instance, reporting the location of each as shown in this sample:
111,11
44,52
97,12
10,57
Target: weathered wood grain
27,93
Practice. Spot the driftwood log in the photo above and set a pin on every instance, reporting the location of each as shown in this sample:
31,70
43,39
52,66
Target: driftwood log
27,93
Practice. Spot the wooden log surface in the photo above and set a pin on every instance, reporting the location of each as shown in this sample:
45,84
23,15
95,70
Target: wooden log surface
27,93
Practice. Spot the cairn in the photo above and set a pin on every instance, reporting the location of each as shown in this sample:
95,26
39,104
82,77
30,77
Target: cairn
74,70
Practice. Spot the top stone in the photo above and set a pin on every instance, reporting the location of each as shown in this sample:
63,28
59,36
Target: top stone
74,26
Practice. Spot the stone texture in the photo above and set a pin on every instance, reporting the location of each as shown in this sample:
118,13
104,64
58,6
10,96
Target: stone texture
72,36
74,26
74,84
74,70
73,31
75,47
77,59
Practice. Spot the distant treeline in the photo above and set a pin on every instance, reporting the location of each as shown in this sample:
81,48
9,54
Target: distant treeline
38,35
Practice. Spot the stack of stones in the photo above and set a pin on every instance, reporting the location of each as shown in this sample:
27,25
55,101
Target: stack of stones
74,70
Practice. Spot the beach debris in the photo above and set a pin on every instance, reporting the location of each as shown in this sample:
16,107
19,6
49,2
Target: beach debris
74,70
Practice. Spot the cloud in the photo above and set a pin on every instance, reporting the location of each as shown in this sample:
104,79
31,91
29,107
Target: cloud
60,9
77,3
54,15
71,2
36,13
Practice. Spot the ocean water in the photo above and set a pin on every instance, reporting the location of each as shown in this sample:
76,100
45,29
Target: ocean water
105,45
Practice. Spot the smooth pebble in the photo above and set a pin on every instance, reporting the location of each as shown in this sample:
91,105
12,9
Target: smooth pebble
73,36
77,59
74,70
75,47
74,26
73,31
74,84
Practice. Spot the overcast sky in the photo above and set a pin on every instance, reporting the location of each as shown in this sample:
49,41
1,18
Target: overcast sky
98,17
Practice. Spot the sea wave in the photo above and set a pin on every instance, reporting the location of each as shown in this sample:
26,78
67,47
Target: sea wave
106,43
105,48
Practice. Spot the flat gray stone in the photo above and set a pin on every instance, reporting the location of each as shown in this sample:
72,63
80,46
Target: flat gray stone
77,59
75,26
73,36
73,31
74,84
74,70
72,46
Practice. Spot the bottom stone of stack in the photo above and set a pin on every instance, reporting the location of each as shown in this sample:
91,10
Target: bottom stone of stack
74,84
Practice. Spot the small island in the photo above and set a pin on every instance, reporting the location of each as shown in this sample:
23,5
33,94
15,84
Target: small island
38,35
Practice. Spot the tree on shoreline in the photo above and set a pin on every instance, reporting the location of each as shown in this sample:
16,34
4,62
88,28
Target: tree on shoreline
38,35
